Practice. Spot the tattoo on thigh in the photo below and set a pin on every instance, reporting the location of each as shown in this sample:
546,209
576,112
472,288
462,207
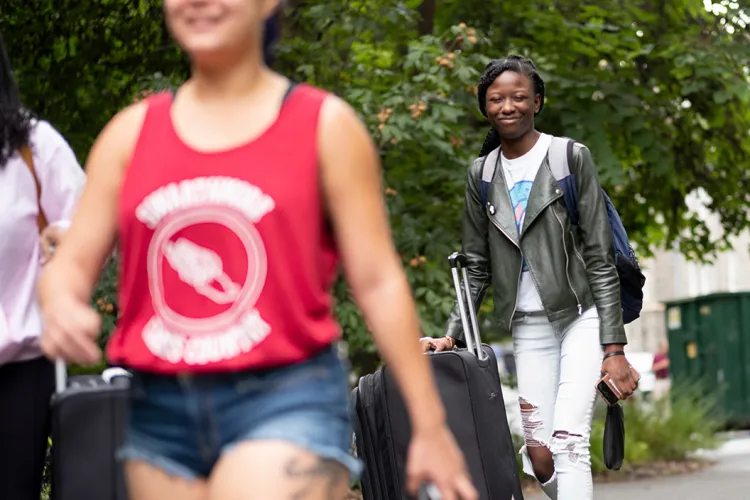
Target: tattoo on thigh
325,473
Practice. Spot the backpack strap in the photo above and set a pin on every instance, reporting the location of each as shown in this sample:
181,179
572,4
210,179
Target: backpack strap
489,164
28,159
559,159
560,156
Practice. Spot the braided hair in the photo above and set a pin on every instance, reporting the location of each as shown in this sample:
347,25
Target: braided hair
15,121
495,68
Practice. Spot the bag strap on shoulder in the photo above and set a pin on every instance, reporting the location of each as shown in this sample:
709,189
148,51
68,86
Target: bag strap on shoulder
28,159
489,165
560,156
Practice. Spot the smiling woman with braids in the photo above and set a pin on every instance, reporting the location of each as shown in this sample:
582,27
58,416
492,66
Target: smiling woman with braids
33,157
556,288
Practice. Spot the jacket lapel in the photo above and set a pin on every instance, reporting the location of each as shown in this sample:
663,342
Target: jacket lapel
499,206
544,191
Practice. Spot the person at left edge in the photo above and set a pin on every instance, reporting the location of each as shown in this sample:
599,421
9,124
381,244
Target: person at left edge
34,158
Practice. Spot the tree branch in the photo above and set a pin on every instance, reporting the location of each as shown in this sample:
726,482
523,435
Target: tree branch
427,11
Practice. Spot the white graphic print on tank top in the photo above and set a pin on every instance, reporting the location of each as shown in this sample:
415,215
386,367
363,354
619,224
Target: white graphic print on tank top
206,269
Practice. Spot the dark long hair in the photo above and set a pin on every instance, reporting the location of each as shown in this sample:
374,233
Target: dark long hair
495,68
271,35
15,120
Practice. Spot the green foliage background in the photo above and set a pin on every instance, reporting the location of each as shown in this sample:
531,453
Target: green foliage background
658,90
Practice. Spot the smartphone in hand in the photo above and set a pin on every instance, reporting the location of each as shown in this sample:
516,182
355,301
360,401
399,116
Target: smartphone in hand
609,391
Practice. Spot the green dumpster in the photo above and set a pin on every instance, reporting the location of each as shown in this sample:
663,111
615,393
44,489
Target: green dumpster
709,342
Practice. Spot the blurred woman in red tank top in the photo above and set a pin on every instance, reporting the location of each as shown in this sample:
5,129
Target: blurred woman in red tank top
228,242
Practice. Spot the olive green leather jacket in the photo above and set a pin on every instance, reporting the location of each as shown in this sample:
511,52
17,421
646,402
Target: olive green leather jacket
573,267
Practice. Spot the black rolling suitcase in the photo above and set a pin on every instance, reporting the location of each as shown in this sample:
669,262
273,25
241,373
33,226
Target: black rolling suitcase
89,415
469,385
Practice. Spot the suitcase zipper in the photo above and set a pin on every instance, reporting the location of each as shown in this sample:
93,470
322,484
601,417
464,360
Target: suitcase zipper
374,476
391,472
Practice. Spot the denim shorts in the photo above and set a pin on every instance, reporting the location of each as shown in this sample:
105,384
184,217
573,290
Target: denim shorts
183,424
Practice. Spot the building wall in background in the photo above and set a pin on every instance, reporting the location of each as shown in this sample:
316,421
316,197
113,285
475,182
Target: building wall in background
669,276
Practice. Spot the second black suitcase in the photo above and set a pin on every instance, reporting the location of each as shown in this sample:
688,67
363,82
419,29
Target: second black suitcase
469,386
89,416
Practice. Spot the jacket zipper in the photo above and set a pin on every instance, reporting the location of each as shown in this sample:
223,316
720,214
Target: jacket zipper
567,273
520,271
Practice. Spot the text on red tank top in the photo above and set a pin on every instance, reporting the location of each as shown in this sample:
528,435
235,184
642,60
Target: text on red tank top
213,288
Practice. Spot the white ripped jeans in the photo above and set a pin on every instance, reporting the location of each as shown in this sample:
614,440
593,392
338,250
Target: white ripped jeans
557,372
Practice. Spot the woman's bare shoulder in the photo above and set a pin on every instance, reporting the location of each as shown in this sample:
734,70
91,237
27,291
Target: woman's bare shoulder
118,139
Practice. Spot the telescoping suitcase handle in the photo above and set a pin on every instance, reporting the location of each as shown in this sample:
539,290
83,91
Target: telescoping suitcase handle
473,340
61,375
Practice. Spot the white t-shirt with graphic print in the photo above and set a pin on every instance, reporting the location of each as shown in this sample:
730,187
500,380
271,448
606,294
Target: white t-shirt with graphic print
519,177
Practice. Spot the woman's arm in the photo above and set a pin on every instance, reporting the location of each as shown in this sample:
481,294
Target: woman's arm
352,187
662,364
598,249
351,180
599,256
67,282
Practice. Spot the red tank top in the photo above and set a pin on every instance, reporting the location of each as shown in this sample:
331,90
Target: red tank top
226,262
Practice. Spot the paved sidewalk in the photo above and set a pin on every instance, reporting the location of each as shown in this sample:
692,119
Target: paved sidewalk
729,479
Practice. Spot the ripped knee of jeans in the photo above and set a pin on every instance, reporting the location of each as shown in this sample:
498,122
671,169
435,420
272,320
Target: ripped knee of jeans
570,448
537,450
531,424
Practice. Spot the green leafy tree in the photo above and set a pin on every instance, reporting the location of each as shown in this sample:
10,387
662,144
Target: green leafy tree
79,63
658,90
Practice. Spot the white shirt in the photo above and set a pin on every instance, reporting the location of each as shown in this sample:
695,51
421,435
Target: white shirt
62,181
519,176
